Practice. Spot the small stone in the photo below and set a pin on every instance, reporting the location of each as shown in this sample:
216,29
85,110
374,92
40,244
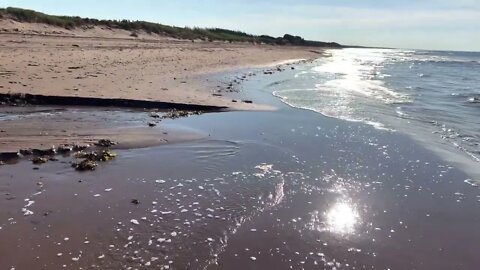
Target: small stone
105,143
64,149
39,160
135,201
134,221
85,165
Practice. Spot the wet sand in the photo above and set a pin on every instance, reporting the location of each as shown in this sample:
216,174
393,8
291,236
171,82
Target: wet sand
285,189
44,127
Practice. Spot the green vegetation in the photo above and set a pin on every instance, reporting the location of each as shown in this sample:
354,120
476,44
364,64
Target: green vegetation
210,34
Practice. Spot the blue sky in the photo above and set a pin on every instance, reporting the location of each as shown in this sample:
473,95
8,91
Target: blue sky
423,24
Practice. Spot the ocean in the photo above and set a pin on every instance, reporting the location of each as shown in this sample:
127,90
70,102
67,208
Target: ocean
433,96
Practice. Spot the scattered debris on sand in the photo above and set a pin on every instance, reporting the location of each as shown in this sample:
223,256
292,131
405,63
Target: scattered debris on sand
105,143
174,114
85,165
63,149
39,160
91,159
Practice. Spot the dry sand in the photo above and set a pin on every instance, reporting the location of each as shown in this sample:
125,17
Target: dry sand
99,62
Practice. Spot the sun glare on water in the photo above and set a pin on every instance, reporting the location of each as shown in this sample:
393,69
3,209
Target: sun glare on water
342,218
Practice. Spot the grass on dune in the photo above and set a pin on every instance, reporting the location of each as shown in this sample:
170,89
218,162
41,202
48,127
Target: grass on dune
210,34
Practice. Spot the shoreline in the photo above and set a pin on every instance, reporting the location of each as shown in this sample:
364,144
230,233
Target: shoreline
34,75
164,70
59,133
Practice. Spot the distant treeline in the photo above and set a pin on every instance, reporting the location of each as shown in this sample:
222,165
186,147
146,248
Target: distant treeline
210,34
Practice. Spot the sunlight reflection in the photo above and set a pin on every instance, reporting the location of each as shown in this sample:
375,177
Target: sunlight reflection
342,218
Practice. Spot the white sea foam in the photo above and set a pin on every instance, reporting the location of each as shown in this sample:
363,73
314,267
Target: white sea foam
340,110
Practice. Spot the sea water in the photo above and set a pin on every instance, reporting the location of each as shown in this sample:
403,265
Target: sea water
434,96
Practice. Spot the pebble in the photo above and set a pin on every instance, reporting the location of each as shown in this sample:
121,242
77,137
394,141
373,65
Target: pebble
134,221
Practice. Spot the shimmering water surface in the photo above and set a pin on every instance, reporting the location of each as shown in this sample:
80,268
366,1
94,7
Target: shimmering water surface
432,96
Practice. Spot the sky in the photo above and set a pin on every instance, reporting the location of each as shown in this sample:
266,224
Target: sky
415,24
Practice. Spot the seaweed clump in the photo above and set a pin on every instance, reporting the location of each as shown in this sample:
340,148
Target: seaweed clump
91,159
174,114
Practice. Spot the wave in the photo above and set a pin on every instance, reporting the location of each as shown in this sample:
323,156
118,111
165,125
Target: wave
332,112
344,82
358,73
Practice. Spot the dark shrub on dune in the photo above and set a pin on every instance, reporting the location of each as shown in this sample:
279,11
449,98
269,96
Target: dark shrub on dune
208,34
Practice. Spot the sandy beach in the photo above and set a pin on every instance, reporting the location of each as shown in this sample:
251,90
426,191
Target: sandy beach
110,64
